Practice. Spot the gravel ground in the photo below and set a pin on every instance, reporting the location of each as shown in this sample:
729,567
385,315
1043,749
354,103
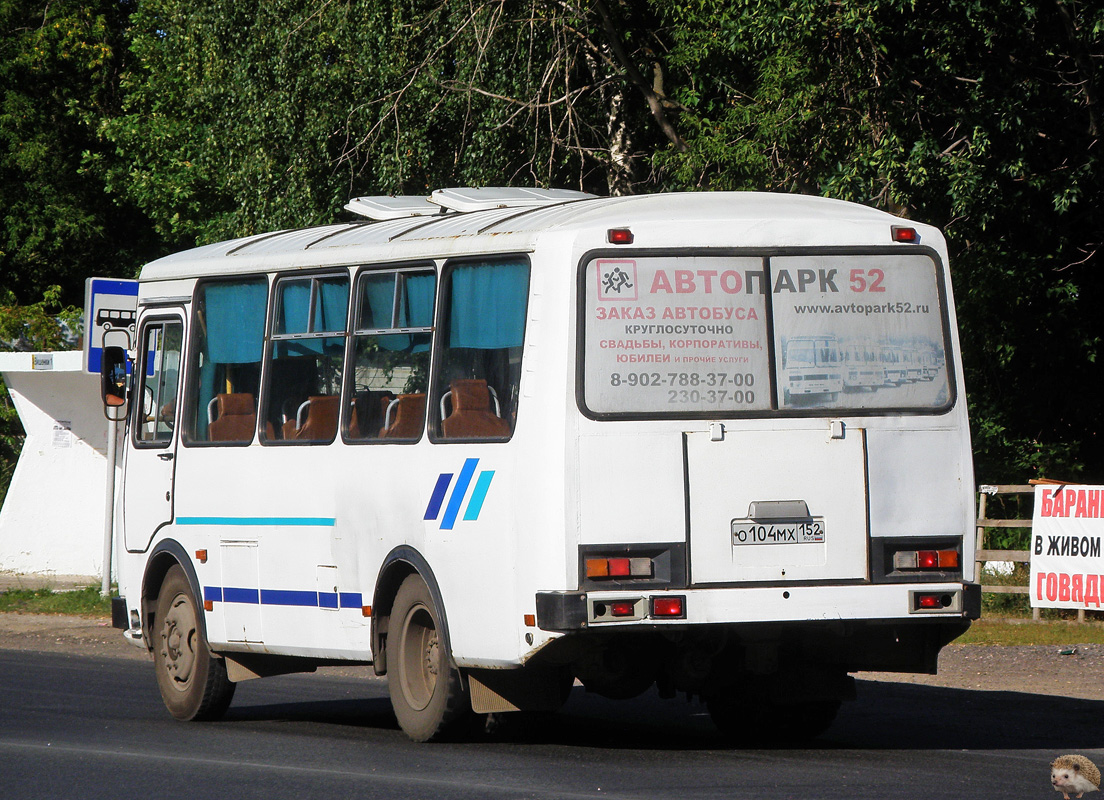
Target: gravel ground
1070,671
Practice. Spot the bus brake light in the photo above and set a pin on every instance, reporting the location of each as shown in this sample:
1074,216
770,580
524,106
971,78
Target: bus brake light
619,236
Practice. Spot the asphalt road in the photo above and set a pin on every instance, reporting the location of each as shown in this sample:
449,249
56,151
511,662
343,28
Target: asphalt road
88,727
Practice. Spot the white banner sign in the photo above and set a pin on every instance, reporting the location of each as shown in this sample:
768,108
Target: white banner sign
1067,568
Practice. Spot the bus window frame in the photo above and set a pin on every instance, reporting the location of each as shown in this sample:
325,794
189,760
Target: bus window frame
348,387
441,324
192,376
161,317
766,254
273,316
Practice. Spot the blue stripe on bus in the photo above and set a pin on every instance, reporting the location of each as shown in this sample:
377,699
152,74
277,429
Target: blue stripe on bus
458,492
287,597
235,594
479,494
438,496
325,522
350,599
283,597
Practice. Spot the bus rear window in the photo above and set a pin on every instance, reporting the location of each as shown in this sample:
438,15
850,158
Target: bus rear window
696,335
859,332
675,335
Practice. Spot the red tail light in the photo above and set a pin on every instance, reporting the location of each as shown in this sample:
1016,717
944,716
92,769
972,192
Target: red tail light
671,607
622,608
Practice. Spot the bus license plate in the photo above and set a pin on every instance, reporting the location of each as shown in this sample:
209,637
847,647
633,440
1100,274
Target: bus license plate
804,532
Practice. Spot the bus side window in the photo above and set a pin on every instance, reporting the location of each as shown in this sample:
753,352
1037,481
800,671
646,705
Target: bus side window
226,360
155,412
302,398
392,333
479,374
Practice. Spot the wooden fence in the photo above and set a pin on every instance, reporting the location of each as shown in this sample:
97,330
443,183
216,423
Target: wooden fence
983,555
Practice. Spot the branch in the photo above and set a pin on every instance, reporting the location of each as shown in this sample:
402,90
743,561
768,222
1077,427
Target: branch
1084,67
655,103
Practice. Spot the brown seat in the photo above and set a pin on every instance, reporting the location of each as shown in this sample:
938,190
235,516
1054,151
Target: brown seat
472,417
404,417
367,412
235,418
316,420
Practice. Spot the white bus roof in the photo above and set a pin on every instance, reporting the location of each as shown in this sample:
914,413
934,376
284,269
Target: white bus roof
704,219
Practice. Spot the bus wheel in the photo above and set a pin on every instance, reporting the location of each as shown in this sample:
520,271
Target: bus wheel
193,685
426,692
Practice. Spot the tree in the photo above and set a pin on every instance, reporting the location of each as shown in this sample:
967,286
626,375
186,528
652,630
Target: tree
58,65
980,117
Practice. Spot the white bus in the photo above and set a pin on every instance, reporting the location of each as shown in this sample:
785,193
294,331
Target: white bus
812,365
861,367
507,440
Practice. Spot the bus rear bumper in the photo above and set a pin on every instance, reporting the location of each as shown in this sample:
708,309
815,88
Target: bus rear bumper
574,611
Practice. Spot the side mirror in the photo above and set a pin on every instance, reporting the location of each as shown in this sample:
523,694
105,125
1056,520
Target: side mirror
113,382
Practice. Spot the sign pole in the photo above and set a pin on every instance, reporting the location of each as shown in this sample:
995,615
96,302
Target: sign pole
109,505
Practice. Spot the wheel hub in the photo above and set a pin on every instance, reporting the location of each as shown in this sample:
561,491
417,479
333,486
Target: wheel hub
178,642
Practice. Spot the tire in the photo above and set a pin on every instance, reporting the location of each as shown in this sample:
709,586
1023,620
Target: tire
193,684
427,693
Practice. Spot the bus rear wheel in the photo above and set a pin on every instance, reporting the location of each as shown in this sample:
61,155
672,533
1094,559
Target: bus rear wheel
193,684
427,693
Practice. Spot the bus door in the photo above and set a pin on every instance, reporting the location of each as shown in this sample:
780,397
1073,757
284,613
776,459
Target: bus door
151,446
777,505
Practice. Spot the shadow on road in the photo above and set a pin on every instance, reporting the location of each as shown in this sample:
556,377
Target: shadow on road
886,716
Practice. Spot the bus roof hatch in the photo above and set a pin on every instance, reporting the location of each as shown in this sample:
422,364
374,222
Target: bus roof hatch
485,198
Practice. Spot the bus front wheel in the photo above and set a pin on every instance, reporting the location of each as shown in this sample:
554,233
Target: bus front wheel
427,693
193,684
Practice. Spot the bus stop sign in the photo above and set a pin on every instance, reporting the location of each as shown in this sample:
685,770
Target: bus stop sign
110,310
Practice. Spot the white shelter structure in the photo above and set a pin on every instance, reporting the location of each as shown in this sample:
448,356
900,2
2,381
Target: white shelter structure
52,519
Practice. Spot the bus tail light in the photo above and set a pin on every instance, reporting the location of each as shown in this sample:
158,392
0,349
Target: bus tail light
632,567
925,560
619,568
669,607
619,236
927,602
622,608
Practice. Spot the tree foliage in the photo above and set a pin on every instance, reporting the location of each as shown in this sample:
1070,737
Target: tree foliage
207,119
58,64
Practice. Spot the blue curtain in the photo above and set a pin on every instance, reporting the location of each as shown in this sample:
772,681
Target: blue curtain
294,307
329,315
333,304
417,310
488,305
378,303
235,321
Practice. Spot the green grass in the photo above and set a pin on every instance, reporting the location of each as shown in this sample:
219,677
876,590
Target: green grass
1015,631
79,602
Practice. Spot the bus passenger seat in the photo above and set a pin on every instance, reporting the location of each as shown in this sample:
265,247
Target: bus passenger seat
316,419
368,409
403,419
235,418
471,416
